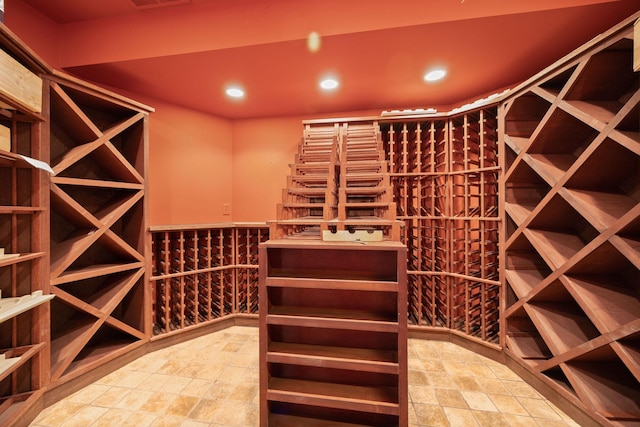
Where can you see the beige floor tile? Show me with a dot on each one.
(123, 418)
(467, 383)
(520, 421)
(193, 423)
(504, 373)
(232, 413)
(455, 367)
(134, 400)
(492, 385)
(244, 393)
(111, 397)
(158, 402)
(133, 379)
(175, 385)
(490, 419)
(86, 416)
(539, 408)
(146, 363)
(113, 378)
(521, 389)
(441, 380)
(88, 394)
(432, 365)
(422, 394)
(56, 415)
(418, 377)
(430, 415)
(480, 370)
(458, 417)
(207, 410)
(181, 406)
(155, 382)
(508, 404)
(451, 398)
(197, 387)
(166, 421)
(479, 401)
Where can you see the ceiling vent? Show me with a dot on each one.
(147, 4)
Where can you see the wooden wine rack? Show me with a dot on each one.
(97, 149)
(24, 318)
(444, 173)
(572, 227)
(203, 273)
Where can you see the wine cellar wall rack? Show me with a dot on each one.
(444, 173)
(571, 247)
(202, 273)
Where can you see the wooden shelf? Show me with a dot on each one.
(382, 400)
(333, 338)
(11, 307)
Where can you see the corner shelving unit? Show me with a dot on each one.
(571, 149)
(97, 148)
(24, 307)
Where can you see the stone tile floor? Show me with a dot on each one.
(213, 381)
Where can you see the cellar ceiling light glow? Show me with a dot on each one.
(329, 84)
(435, 75)
(235, 92)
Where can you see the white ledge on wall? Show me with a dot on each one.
(11, 307)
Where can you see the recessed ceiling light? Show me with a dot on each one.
(235, 92)
(435, 75)
(329, 84)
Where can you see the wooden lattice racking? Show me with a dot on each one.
(203, 273)
(571, 258)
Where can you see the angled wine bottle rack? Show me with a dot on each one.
(571, 149)
(97, 150)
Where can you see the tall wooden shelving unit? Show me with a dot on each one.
(333, 341)
(571, 252)
(24, 316)
(97, 148)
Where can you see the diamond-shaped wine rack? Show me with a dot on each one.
(97, 149)
(572, 210)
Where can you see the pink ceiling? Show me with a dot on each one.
(378, 49)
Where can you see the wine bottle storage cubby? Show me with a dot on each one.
(572, 155)
(97, 148)
(444, 173)
(204, 273)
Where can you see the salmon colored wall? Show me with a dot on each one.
(37, 31)
(262, 152)
(190, 166)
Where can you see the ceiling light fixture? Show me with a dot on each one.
(435, 75)
(329, 84)
(235, 92)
